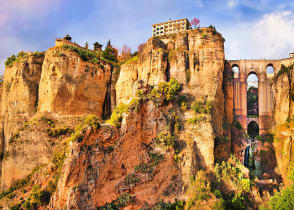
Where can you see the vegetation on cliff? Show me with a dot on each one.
(93, 56)
(163, 94)
(21, 56)
(91, 121)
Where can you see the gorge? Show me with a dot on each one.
(167, 128)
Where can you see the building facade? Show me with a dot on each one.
(170, 27)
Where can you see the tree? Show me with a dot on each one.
(87, 45)
(126, 52)
(195, 22)
(141, 48)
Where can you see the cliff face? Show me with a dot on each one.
(19, 102)
(70, 86)
(103, 164)
(58, 83)
(21, 81)
(283, 91)
(194, 58)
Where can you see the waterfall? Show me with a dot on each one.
(246, 156)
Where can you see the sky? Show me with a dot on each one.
(253, 29)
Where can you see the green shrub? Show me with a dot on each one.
(121, 202)
(108, 55)
(19, 184)
(148, 168)
(90, 121)
(202, 107)
(177, 205)
(56, 132)
(131, 179)
(245, 185)
(165, 139)
(13, 138)
(134, 104)
(221, 139)
(133, 59)
(86, 55)
(219, 205)
(10, 60)
(117, 115)
(166, 91)
(269, 137)
(237, 125)
(238, 201)
(47, 120)
(184, 106)
(204, 35)
(197, 119)
(199, 190)
(174, 122)
(283, 70)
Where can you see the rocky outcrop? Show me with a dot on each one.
(20, 87)
(111, 162)
(19, 102)
(195, 58)
(71, 86)
(283, 89)
(283, 92)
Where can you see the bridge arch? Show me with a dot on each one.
(253, 129)
(270, 70)
(236, 71)
(264, 70)
(252, 95)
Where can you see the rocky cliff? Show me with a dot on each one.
(57, 82)
(71, 86)
(194, 58)
(283, 90)
(159, 146)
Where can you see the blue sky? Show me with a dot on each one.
(252, 28)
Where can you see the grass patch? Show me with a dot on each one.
(133, 59)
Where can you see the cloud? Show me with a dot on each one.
(232, 3)
(271, 36)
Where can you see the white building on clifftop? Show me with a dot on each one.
(170, 27)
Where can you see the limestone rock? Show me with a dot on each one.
(70, 86)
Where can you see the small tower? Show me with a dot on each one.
(109, 45)
(67, 37)
(97, 46)
(291, 55)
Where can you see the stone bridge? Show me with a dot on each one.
(265, 94)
